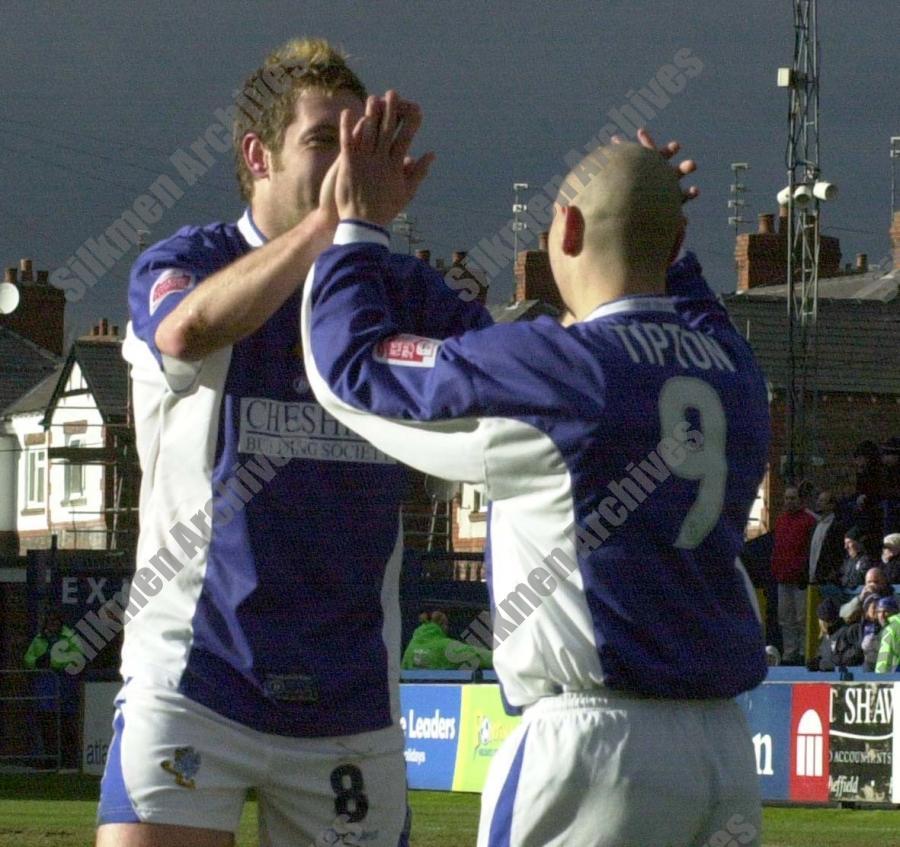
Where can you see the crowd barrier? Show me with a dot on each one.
(817, 737)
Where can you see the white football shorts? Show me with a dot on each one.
(173, 761)
(609, 770)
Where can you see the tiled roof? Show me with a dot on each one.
(23, 365)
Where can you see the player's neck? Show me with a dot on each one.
(597, 288)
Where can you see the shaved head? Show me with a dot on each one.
(631, 203)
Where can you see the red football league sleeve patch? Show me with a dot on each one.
(168, 282)
(412, 351)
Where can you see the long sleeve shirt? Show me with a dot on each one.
(790, 558)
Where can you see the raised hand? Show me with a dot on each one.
(376, 177)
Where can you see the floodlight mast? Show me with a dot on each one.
(803, 193)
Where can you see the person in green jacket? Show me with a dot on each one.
(55, 647)
(430, 648)
(55, 650)
(889, 649)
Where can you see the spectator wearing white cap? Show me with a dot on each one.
(890, 557)
(857, 643)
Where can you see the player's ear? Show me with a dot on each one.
(256, 156)
(573, 230)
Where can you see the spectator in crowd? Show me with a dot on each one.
(890, 486)
(863, 508)
(430, 647)
(826, 548)
(890, 557)
(876, 584)
(889, 647)
(830, 625)
(50, 652)
(857, 562)
(790, 566)
(857, 643)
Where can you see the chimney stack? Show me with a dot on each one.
(40, 316)
(782, 220)
(102, 331)
(862, 263)
(761, 256)
(25, 266)
(424, 255)
(534, 279)
(470, 280)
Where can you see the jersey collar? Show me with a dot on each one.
(644, 303)
(247, 227)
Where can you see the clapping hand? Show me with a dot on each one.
(376, 178)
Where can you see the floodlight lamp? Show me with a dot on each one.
(802, 195)
(520, 186)
(786, 77)
(9, 298)
(783, 196)
(825, 190)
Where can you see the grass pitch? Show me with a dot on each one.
(58, 811)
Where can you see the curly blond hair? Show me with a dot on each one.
(266, 102)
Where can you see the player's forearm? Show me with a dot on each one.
(236, 301)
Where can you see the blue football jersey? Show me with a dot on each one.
(273, 529)
(621, 456)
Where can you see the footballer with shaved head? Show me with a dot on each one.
(621, 453)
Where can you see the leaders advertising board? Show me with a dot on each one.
(430, 717)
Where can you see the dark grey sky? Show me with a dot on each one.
(96, 97)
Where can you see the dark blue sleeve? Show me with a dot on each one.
(372, 361)
(165, 274)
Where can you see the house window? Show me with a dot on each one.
(34, 477)
(74, 475)
(477, 500)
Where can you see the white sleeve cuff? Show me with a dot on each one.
(355, 232)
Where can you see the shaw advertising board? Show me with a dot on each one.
(861, 742)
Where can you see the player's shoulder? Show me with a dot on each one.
(192, 253)
(197, 243)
